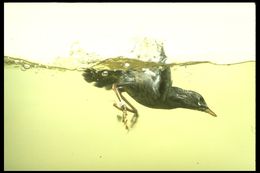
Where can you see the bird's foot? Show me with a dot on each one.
(122, 106)
(124, 117)
(134, 119)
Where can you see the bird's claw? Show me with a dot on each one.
(133, 120)
(121, 106)
(124, 117)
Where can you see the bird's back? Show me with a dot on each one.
(147, 82)
(147, 85)
(109, 71)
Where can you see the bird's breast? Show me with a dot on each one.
(144, 88)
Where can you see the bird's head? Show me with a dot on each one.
(190, 100)
(197, 102)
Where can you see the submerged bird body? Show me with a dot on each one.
(148, 83)
(147, 88)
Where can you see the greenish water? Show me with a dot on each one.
(54, 120)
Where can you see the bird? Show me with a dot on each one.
(149, 83)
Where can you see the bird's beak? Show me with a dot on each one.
(210, 112)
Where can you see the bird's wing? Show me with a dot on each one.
(109, 71)
(165, 82)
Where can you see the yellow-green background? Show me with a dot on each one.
(56, 121)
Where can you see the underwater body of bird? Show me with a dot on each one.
(149, 83)
(55, 120)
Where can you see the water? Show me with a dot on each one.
(54, 120)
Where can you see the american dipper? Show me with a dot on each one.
(148, 83)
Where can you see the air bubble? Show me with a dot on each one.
(79, 68)
(144, 69)
(126, 65)
(26, 66)
(104, 73)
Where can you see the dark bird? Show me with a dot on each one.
(148, 83)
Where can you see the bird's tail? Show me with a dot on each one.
(102, 78)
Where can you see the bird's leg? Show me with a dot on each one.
(122, 107)
(133, 109)
(114, 87)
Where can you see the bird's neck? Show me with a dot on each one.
(178, 98)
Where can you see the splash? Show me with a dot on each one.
(147, 53)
